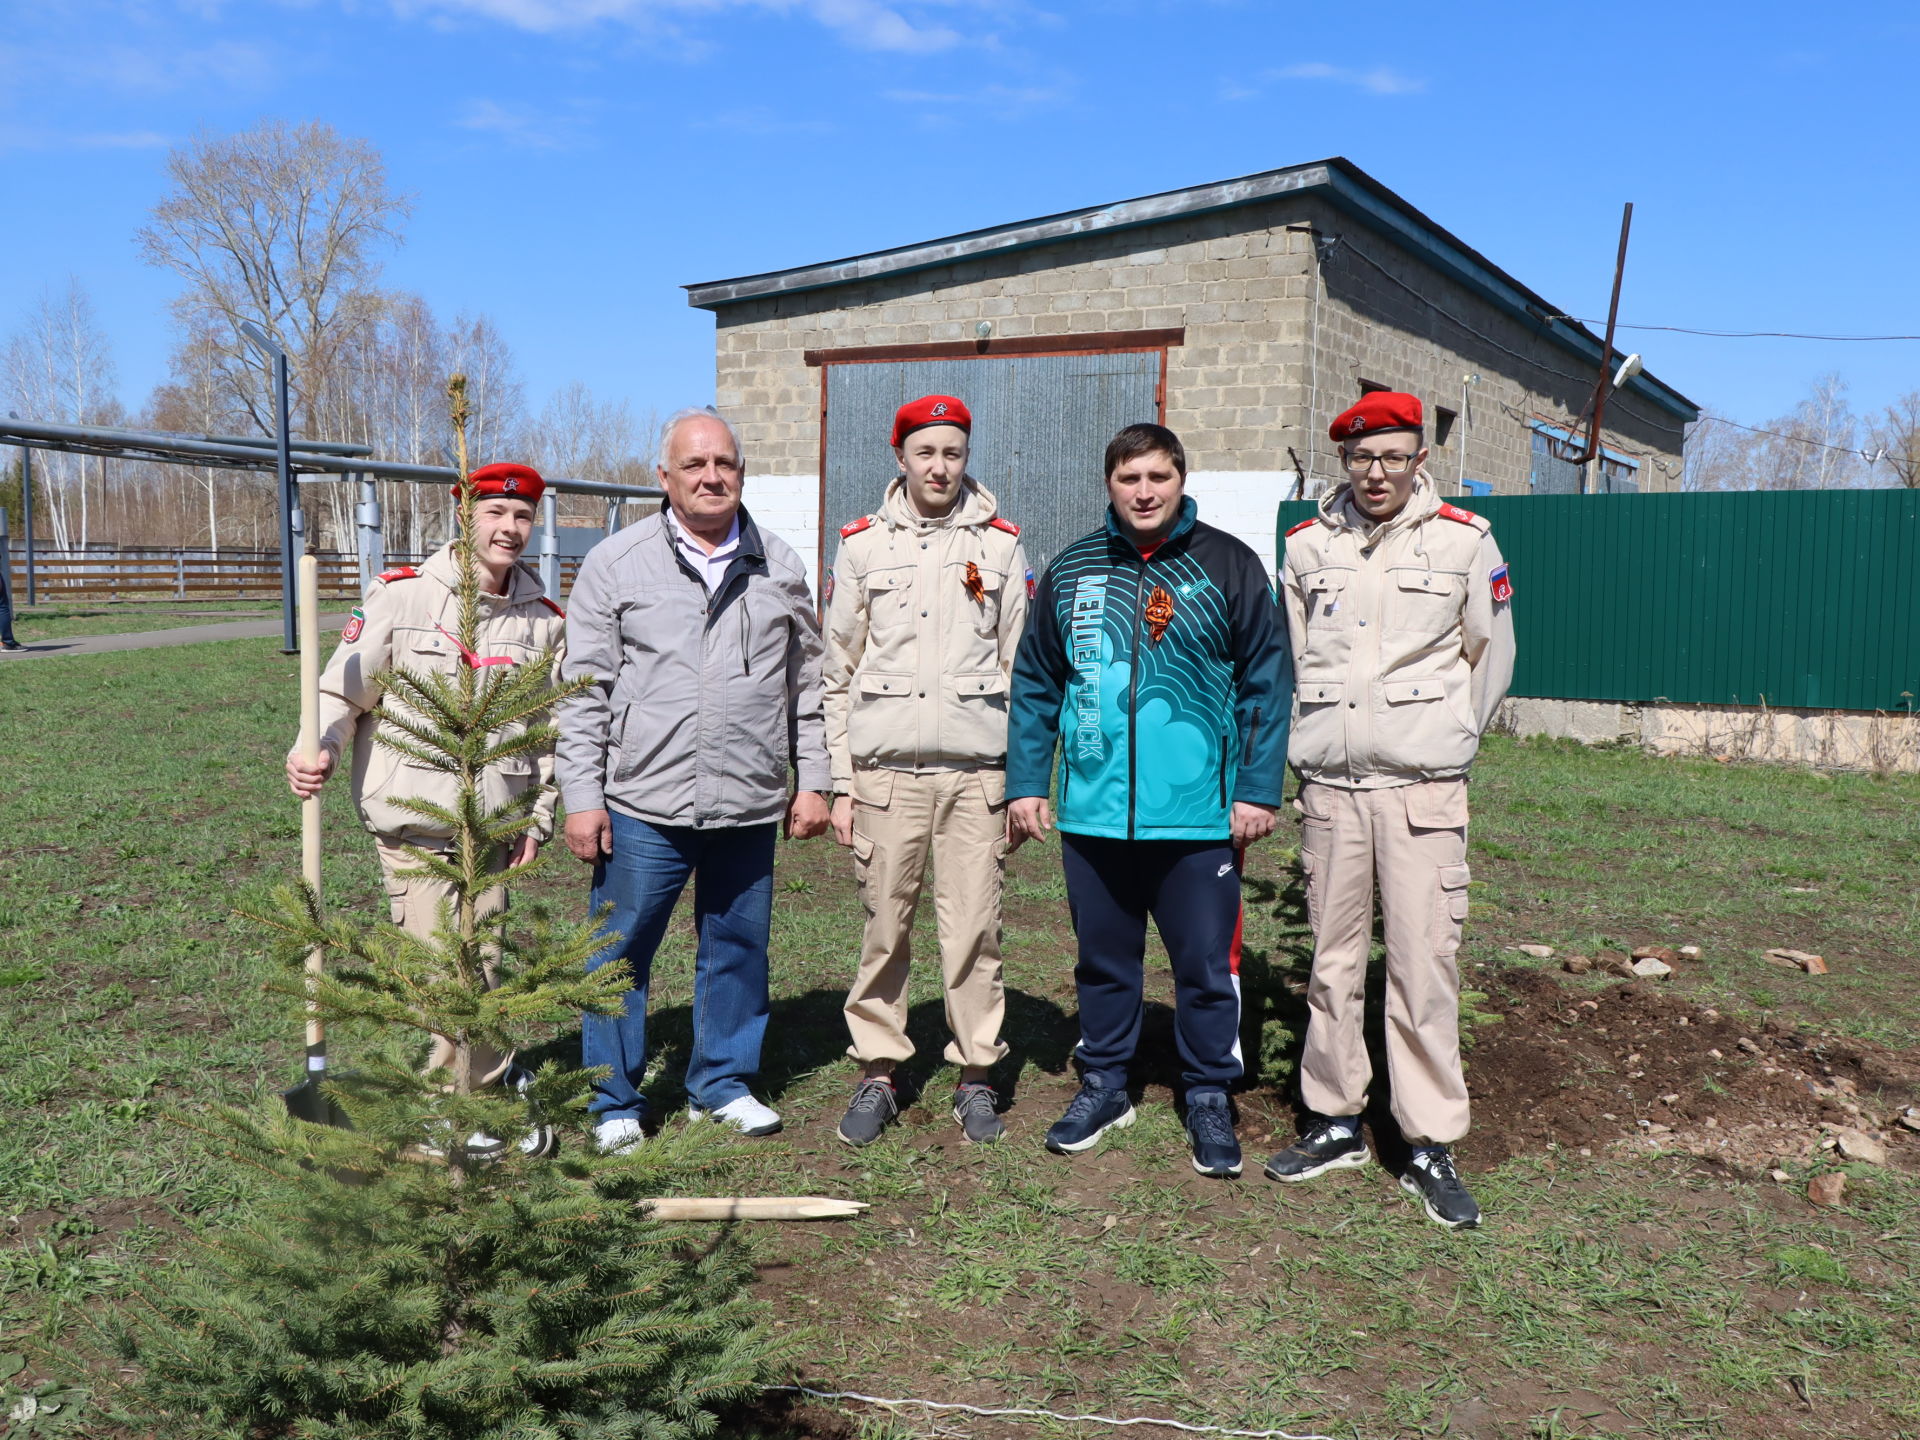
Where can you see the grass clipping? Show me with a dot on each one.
(393, 1283)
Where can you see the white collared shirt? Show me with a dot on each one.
(710, 566)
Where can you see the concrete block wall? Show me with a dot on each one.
(1287, 306)
(1237, 282)
(1380, 314)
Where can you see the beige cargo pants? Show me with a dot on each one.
(413, 903)
(900, 818)
(1411, 842)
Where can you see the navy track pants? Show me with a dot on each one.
(1191, 889)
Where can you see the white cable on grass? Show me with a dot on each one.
(1049, 1415)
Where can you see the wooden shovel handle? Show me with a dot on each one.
(308, 603)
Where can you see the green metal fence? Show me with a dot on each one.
(1810, 598)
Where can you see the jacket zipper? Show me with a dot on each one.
(1246, 754)
(1133, 683)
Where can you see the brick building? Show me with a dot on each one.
(1244, 314)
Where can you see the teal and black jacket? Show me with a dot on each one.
(1157, 738)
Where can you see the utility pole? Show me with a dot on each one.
(291, 520)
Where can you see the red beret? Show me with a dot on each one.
(516, 482)
(1380, 410)
(930, 410)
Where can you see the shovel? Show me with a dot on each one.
(306, 1101)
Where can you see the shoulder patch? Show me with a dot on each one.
(1465, 517)
(553, 607)
(400, 572)
(1007, 525)
(1297, 529)
(854, 527)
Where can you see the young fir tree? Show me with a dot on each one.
(398, 1279)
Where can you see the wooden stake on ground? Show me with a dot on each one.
(753, 1207)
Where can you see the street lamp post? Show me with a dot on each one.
(26, 506)
(291, 521)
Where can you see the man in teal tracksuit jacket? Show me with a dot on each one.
(1156, 656)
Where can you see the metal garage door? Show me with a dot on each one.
(1040, 426)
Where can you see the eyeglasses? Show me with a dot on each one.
(1389, 464)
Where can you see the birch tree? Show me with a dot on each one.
(59, 370)
(284, 225)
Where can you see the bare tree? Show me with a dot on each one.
(195, 401)
(1897, 437)
(284, 225)
(478, 351)
(582, 437)
(1815, 446)
(59, 369)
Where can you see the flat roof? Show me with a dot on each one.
(1336, 179)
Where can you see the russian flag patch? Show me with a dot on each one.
(1502, 586)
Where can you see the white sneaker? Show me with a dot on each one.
(747, 1115)
(614, 1137)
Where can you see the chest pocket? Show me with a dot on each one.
(983, 614)
(428, 651)
(763, 621)
(1327, 602)
(890, 597)
(1424, 601)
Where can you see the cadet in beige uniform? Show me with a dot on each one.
(1397, 606)
(925, 605)
(409, 618)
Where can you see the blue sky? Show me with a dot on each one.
(574, 162)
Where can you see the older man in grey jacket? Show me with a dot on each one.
(701, 638)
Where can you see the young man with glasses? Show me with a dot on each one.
(1398, 610)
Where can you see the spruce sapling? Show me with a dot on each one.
(399, 1278)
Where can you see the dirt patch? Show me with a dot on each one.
(1639, 1064)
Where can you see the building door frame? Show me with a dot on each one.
(1102, 342)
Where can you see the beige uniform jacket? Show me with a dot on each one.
(917, 667)
(1402, 641)
(408, 620)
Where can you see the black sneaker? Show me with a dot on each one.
(1432, 1177)
(1326, 1146)
(974, 1106)
(873, 1108)
(1090, 1114)
(1216, 1149)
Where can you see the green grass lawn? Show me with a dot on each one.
(1630, 1291)
(74, 620)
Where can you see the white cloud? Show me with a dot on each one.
(162, 69)
(1380, 80)
(865, 24)
(522, 126)
(22, 137)
(759, 120)
(938, 107)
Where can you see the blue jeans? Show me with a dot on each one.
(641, 880)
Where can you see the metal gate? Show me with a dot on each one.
(1040, 426)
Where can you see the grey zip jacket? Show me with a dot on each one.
(699, 707)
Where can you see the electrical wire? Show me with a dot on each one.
(1735, 334)
(1023, 1412)
(1797, 439)
(1426, 301)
